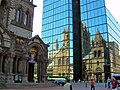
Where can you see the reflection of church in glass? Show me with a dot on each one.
(59, 64)
(101, 61)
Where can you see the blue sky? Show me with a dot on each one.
(112, 6)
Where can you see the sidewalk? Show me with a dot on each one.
(96, 88)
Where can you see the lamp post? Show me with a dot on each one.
(69, 70)
(86, 78)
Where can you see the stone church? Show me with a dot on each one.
(23, 58)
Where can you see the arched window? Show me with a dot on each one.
(99, 53)
(25, 18)
(31, 0)
(63, 60)
(97, 62)
(95, 53)
(17, 16)
(59, 61)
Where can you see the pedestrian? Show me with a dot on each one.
(79, 80)
(114, 83)
(68, 85)
(92, 84)
(108, 82)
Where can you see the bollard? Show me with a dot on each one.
(85, 84)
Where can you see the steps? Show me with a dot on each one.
(26, 85)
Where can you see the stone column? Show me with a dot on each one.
(39, 71)
(11, 65)
(16, 61)
(44, 73)
(25, 76)
(1, 62)
(10, 75)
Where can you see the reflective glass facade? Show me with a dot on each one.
(83, 39)
(57, 32)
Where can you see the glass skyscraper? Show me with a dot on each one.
(83, 39)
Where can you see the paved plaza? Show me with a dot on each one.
(76, 86)
(60, 88)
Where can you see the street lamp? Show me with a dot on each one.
(86, 78)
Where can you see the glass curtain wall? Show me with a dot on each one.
(94, 19)
(57, 32)
(114, 42)
(99, 37)
(103, 56)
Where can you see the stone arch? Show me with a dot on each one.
(7, 2)
(98, 74)
(34, 50)
(40, 49)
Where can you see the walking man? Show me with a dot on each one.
(68, 85)
(108, 82)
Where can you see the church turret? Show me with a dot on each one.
(98, 40)
(17, 16)
(65, 38)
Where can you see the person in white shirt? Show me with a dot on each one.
(68, 85)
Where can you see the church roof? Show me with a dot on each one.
(98, 36)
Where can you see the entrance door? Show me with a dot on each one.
(98, 77)
(31, 72)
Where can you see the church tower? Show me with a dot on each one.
(100, 58)
(65, 38)
(22, 57)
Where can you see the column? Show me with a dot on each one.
(25, 76)
(11, 65)
(39, 71)
(1, 62)
(16, 61)
(44, 74)
(10, 76)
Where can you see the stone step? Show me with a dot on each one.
(26, 85)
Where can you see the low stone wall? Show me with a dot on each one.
(26, 85)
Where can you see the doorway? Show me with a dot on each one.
(31, 72)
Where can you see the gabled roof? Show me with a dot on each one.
(98, 36)
(36, 39)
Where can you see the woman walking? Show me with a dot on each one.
(92, 84)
